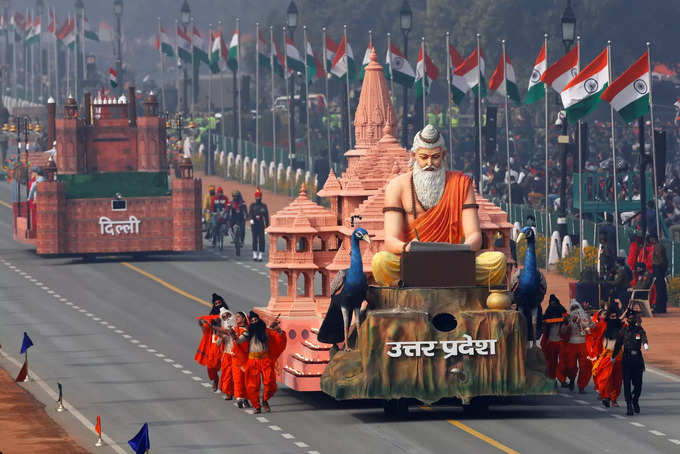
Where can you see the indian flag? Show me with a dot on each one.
(68, 34)
(560, 73)
(90, 32)
(279, 63)
(582, 94)
(200, 54)
(216, 52)
(232, 57)
(262, 57)
(293, 58)
(164, 43)
(331, 49)
(365, 61)
(426, 72)
(499, 80)
(183, 45)
(33, 36)
(536, 87)
(314, 66)
(466, 77)
(52, 24)
(344, 66)
(398, 65)
(113, 77)
(629, 94)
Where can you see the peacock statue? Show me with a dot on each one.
(529, 286)
(348, 291)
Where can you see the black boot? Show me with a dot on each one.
(636, 406)
(606, 403)
(629, 409)
(571, 384)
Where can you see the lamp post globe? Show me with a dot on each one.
(405, 17)
(39, 7)
(79, 6)
(405, 23)
(185, 13)
(568, 26)
(292, 17)
(118, 7)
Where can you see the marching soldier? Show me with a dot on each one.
(259, 220)
(632, 339)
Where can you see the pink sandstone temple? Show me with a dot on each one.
(307, 240)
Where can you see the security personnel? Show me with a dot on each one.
(206, 209)
(259, 220)
(632, 339)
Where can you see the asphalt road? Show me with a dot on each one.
(120, 336)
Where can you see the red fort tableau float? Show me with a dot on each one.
(310, 242)
(106, 190)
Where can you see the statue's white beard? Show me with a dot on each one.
(429, 185)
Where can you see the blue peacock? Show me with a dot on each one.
(348, 291)
(529, 286)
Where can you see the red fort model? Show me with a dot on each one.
(316, 239)
(107, 187)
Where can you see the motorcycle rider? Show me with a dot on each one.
(259, 220)
(219, 209)
(206, 209)
(237, 213)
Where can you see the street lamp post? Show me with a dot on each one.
(291, 24)
(568, 35)
(118, 11)
(5, 13)
(405, 23)
(186, 18)
(39, 9)
(80, 11)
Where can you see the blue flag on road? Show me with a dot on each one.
(140, 443)
(27, 342)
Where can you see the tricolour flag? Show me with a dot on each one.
(560, 73)
(314, 66)
(113, 78)
(232, 56)
(67, 34)
(344, 66)
(466, 77)
(90, 31)
(279, 63)
(498, 80)
(629, 93)
(33, 36)
(262, 58)
(425, 68)
(582, 94)
(164, 43)
(402, 71)
(198, 42)
(216, 51)
(183, 45)
(536, 87)
(331, 50)
(293, 58)
(52, 22)
(365, 61)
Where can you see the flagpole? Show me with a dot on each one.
(32, 65)
(27, 66)
(448, 91)
(349, 110)
(40, 65)
(162, 61)
(68, 65)
(209, 155)
(75, 62)
(422, 41)
(547, 184)
(57, 95)
(193, 62)
(257, 103)
(14, 61)
(240, 95)
(389, 56)
(507, 126)
(285, 75)
(309, 145)
(271, 65)
(613, 141)
(651, 118)
(328, 112)
(479, 113)
(223, 141)
(580, 177)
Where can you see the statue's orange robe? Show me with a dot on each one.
(442, 222)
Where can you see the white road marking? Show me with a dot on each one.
(89, 314)
(76, 307)
(262, 419)
(637, 424)
(160, 355)
(178, 366)
(301, 444)
(70, 408)
(597, 408)
(206, 385)
(65, 300)
(668, 375)
(110, 327)
(151, 350)
(96, 319)
(184, 371)
(313, 452)
(674, 441)
(50, 292)
(56, 295)
(275, 428)
(126, 336)
(619, 417)
(288, 436)
(657, 433)
(119, 331)
(582, 402)
(143, 346)
(134, 341)
(68, 303)
(168, 360)
(195, 378)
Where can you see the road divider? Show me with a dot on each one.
(165, 284)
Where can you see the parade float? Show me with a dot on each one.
(426, 343)
(106, 188)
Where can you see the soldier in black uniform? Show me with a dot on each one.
(259, 220)
(632, 339)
